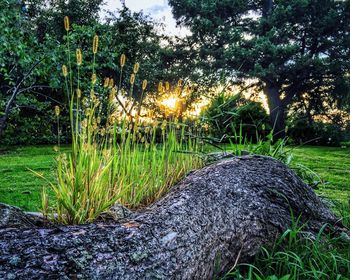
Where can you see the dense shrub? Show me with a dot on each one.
(227, 115)
(33, 126)
(346, 142)
(315, 133)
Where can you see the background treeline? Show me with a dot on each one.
(297, 53)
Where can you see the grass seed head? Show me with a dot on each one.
(106, 83)
(144, 84)
(111, 83)
(163, 126)
(84, 123)
(112, 95)
(93, 78)
(122, 60)
(64, 70)
(95, 44)
(132, 79)
(92, 95)
(57, 111)
(66, 23)
(79, 57)
(160, 87)
(78, 93)
(136, 67)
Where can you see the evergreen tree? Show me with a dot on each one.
(296, 49)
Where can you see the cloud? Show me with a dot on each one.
(156, 9)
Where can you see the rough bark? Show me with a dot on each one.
(14, 217)
(198, 229)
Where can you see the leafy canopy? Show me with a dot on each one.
(297, 50)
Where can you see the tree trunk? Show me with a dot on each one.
(7, 110)
(267, 8)
(271, 91)
(2, 124)
(277, 111)
(215, 216)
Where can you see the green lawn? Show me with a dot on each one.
(19, 186)
(332, 165)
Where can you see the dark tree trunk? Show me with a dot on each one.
(267, 8)
(2, 125)
(215, 215)
(271, 91)
(277, 111)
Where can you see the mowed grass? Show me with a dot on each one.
(18, 184)
(20, 187)
(332, 165)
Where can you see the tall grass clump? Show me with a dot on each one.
(263, 145)
(115, 156)
(298, 256)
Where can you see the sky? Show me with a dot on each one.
(157, 9)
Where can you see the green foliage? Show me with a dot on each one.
(297, 50)
(345, 144)
(309, 176)
(17, 46)
(131, 34)
(25, 123)
(46, 16)
(276, 149)
(228, 114)
(25, 63)
(296, 256)
(32, 32)
(316, 133)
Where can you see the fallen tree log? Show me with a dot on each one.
(215, 215)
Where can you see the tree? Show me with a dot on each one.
(24, 43)
(296, 49)
(19, 58)
(46, 16)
